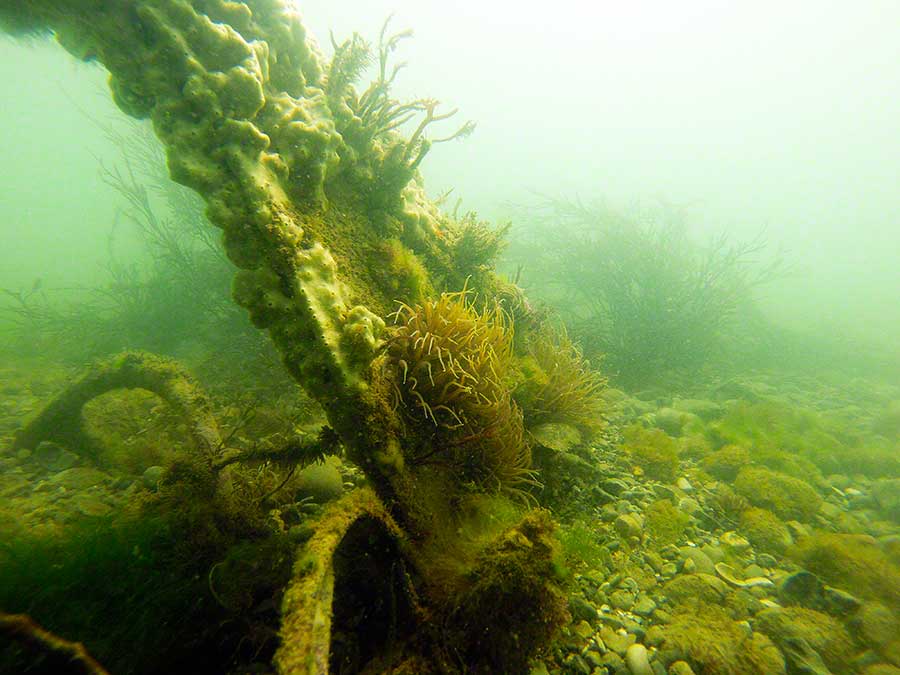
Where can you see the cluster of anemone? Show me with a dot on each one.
(563, 388)
(451, 361)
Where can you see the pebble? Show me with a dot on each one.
(753, 570)
(644, 606)
(727, 573)
(671, 421)
(840, 602)
(702, 408)
(583, 629)
(616, 641)
(576, 665)
(637, 660)
(735, 542)
(714, 553)
(689, 506)
(629, 525)
(613, 662)
(54, 457)
(623, 600)
(581, 609)
(797, 529)
(88, 505)
(701, 561)
(801, 588)
(684, 484)
(594, 658)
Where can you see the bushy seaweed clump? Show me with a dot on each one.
(728, 503)
(636, 288)
(451, 361)
(474, 247)
(653, 451)
(790, 439)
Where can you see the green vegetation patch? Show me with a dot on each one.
(852, 562)
(581, 545)
(788, 497)
(665, 522)
(726, 462)
(713, 643)
(653, 451)
(765, 530)
(823, 633)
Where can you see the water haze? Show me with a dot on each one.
(747, 115)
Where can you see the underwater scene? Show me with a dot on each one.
(419, 338)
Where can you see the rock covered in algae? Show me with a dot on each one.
(514, 602)
(711, 642)
(824, 634)
(788, 497)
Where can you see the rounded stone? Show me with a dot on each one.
(321, 481)
(684, 484)
(79, 478)
(581, 609)
(801, 588)
(629, 525)
(621, 600)
(734, 541)
(681, 668)
(701, 561)
(670, 420)
(688, 505)
(54, 457)
(840, 602)
(644, 606)
(637, 660)
(152, 476)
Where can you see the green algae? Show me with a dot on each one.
(765, 530)
(854, 562)
(726, 462)
(713, 643)
(665, 522)
(653, 451)
(788, 497)
(826, 635)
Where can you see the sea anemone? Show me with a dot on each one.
(563, 388)
(450, 362)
